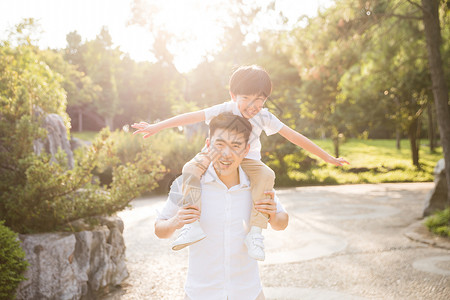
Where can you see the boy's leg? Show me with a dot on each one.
(262, 179)
(191, 190)
(191, 174)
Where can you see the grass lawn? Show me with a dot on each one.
(85, 135)
(371, 161)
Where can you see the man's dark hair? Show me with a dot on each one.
(251, 80)
(231, 122)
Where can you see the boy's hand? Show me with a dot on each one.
(144, 127)
(267, 205)
(338, 161)
(186, 215)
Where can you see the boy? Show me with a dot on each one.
(250, 86)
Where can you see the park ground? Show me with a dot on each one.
(343, 242)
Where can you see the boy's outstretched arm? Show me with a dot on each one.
(180, 120)
(305, 143)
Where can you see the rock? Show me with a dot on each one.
(76, 143)
(74, 265)
(56, 138)
(437, 197)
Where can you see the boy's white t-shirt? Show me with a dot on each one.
(263, 120)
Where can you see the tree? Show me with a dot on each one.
(81, 90)
(39, 192)
(322, 51)
(392, 75)
(431, 20)
(101, 62)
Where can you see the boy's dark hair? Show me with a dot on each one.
(231, 122)
(251, 80)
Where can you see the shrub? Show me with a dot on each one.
(175, 150)
(39, 193)
(439, 222)
(173, 147)
(12, 263)
(50, 196)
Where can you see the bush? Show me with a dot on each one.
(175, 150)
(12, 263)
(439, 223)
(38, 193)
(49, 196)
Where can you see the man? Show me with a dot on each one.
(219, 265)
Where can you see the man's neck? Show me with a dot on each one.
(230, 180)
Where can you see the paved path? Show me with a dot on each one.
(342, 242)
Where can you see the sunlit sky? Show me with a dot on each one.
(195, 19)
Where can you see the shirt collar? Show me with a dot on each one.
(236, 110)
(211, 176)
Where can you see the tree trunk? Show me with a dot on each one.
(336, 146)
(398, 138)
(412, 134)
(109, 122)
(431, 133)
(80, 120)
(440, 89)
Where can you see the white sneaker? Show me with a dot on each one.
(190, 234)
(255, 243)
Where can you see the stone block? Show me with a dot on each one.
(74, 265)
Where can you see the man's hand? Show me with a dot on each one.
(144, 127)
(186, 215)
(267, 205)
(337, 161)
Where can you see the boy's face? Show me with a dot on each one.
(227, 149)
(249, 105)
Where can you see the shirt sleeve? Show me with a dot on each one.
(174, 201)
(280, 207)
(271, 124)
(216, 110)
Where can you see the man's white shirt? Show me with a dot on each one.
(263, 120)
(219, 265)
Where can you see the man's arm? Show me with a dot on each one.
(185, 215)
(305, 143)
(180, 120)
(277, 220)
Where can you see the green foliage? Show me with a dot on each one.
(110, 89)
(175, 150)
(439, 222)
(38, 192)
(12, 263)
(284, 158)
(51, 196)
(172, 146)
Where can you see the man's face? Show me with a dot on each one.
(228, 148)
(249, 105)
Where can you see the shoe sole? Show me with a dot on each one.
(255, 257)
(179, 247)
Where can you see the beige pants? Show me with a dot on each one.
(262, 179)
(260, 297)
